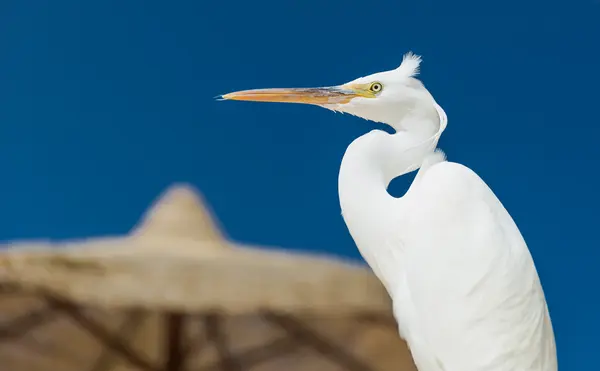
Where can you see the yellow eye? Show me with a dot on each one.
(376, 87)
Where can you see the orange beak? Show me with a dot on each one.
(319, 96)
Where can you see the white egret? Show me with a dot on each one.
(466, 293)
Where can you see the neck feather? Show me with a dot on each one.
(370, 163)
(373, 160)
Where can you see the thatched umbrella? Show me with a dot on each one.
(176, 295)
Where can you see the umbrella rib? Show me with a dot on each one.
(377, 319)
(10, 288)
(19, 326)
(99, 332)
(304, 334)
(214, 332)
(253, 356)
(127, 330)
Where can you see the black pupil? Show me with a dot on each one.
(376, 87)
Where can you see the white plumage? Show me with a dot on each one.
(466, 293)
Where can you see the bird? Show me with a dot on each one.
(465, 291)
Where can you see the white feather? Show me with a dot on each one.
(410, 65)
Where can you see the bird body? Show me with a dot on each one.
(465, 290)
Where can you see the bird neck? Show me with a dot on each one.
(370, 163)
(373, 160)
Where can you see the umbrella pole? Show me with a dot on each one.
(174, 330)
(215, 333)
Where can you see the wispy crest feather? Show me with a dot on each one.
(410, 65)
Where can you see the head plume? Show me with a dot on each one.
(410, 65)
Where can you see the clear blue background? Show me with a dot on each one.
(104, 104)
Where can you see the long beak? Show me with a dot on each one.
(325, 95)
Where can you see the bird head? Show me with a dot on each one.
(385, 97)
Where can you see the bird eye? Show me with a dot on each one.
(376, 87)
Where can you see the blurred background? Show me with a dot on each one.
(105, 104)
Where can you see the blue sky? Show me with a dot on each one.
(104, 104)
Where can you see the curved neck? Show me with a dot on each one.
(373, 160)
(368, 166)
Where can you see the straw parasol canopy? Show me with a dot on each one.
(176, 295)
